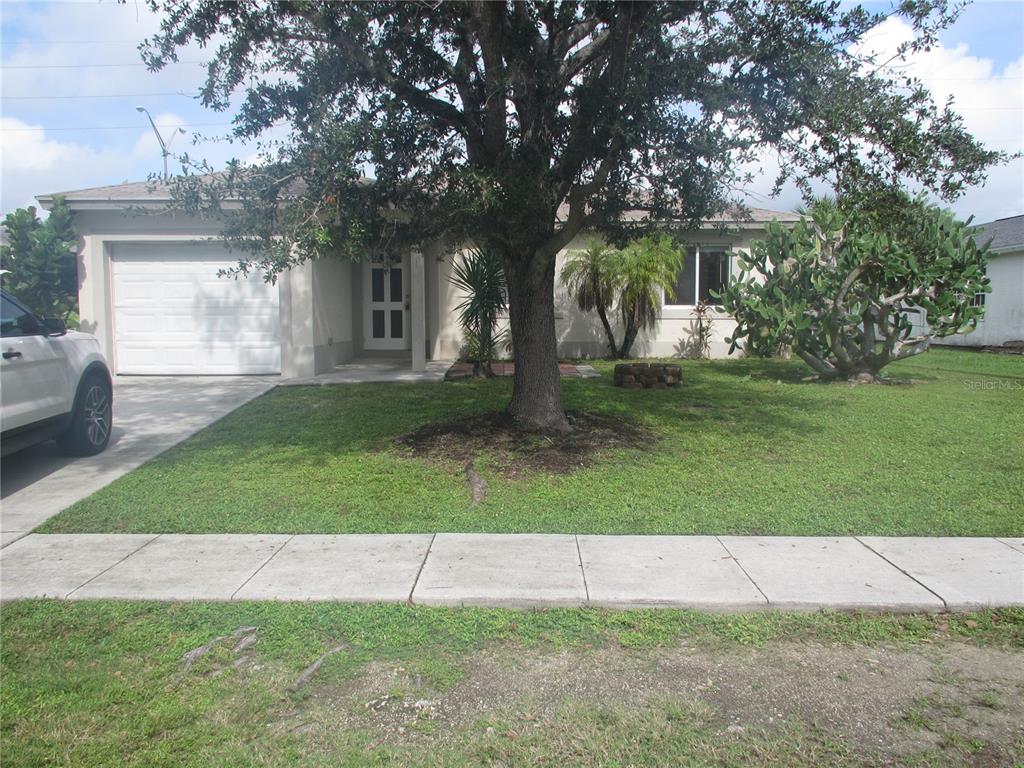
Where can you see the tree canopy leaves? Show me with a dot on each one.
(41, 259)
(521, 123)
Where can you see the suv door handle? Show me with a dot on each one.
(11, 353)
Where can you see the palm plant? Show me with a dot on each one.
(480, 276)
(647, 269)
(590, 277)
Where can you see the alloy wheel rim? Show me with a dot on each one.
(97, 415)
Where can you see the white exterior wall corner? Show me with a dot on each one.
(332, 313)
(1004, 306)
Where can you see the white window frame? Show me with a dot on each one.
(712, 248)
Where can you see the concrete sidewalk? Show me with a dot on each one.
(716, 573)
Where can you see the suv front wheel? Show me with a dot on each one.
(91, 421)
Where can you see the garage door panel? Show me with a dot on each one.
(185, 358)
(141, 327)
(173, 315)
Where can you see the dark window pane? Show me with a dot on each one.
(686, 280)
(378, 323)
(397, 320)
(714, 274)
(377, 284)
(396, 283)
(16, 321)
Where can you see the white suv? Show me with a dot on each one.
(54, 383)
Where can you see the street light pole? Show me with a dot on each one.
(164, 151)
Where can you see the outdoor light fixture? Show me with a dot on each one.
(164, 145)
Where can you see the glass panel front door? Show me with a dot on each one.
(386, 323)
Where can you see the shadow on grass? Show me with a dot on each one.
(746, 399)
(307, 425)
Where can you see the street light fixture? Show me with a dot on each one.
(164, 145)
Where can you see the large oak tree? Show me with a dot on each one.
(516, 125)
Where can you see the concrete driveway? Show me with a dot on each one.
(150, 415)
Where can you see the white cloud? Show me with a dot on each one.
(57, 40)
(46, 50)
(35, 164)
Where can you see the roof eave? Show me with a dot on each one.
(110, 204)
(1018, 248)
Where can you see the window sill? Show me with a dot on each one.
(687, 311)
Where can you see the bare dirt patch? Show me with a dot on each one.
(511, 453)
(964, 703)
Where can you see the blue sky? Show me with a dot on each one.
(52, 142)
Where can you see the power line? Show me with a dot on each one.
(79, 66)
(113, 127)
(98, 96)
(86, 42)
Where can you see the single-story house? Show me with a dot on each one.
(149, 290)
(1004, 306)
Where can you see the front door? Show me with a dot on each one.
(386, 318)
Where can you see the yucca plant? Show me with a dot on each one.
(480, 276)
(592, 281)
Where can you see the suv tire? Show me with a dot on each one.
(91, 421)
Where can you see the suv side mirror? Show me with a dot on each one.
(54, 326)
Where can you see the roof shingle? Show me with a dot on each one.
(1005, 234)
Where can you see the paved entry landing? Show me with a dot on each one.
(375, 370)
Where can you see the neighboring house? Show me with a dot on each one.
(149, 289)
(1004, 306)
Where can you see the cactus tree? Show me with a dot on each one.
(838, 286)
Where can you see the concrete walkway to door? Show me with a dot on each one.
(151, 414)
(715, 573)
(375, 370)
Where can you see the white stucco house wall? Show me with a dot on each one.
(1004, 306)
(149, 289)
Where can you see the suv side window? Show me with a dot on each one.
(15, 320)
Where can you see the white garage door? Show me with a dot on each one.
(173, 315)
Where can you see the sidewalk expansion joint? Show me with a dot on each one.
(945, 605)
(1007, 544)
(253, 574)
(583, 571)
(93, 578)
(757, 586)
(416, 581)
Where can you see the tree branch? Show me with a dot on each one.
(489, 34)
(589, 53)
(822, 367)
(399, 86)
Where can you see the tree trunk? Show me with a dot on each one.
(628, 339)
(603, 314)
(537, 388)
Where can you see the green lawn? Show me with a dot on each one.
(743, 447)
(103, 684)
